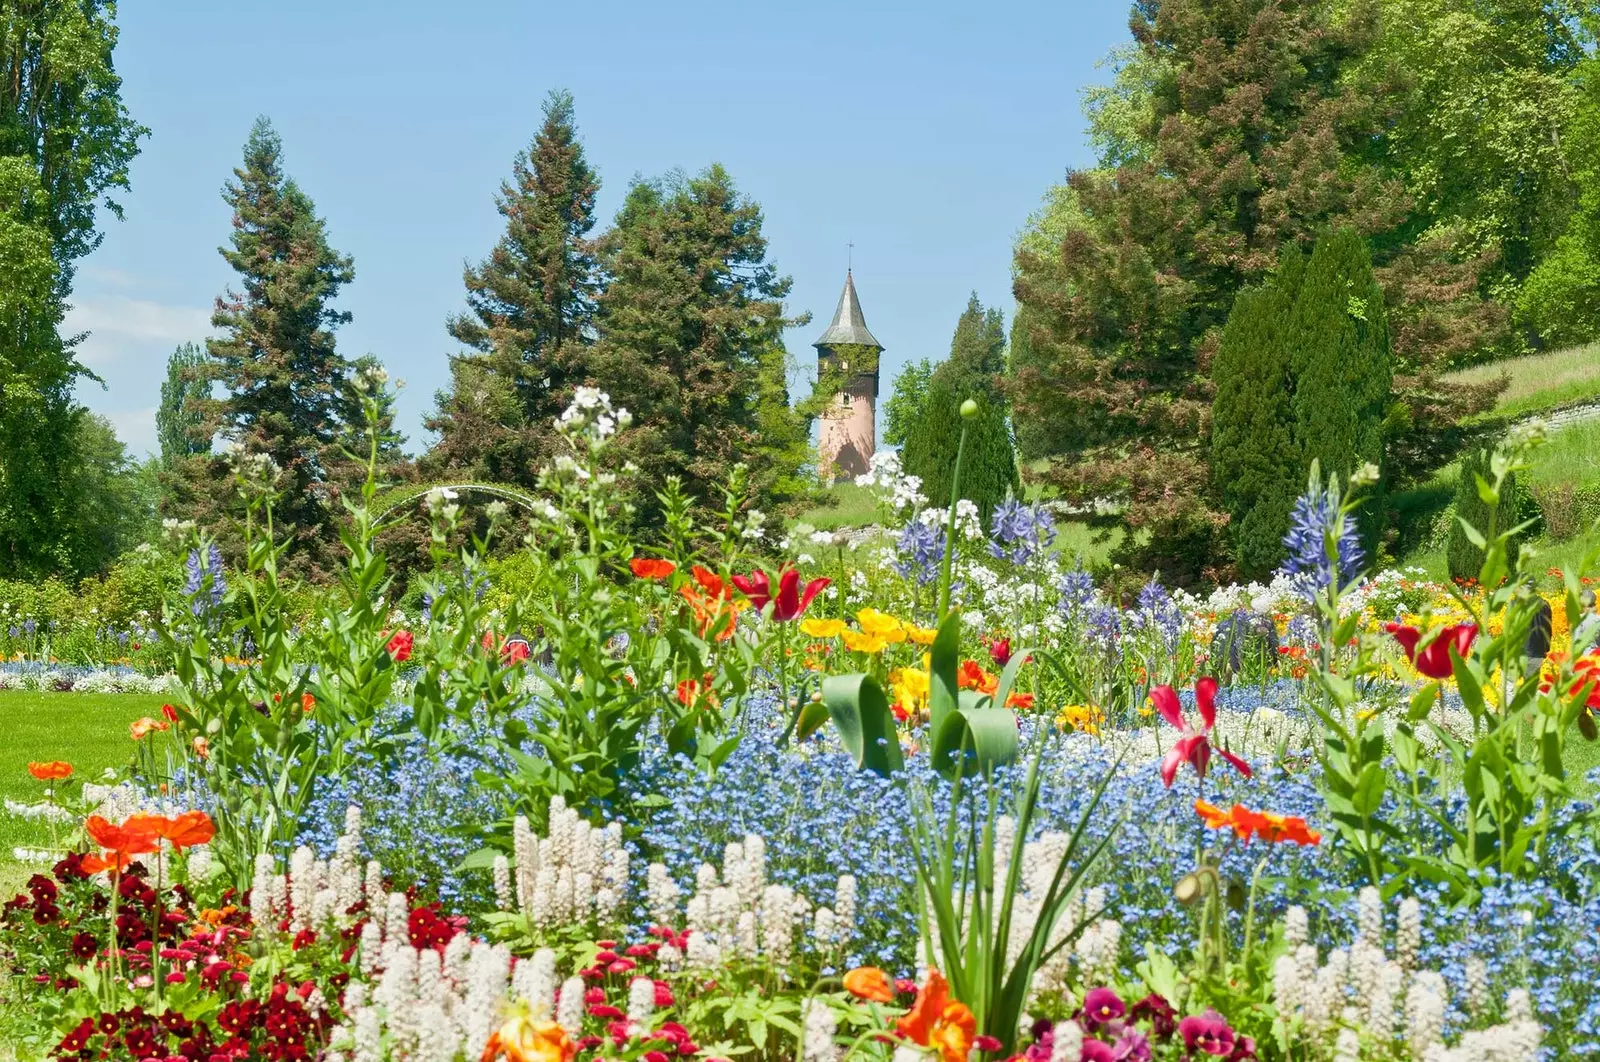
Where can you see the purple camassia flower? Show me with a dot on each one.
(1020, 532)
(921, 550)
(1309, 524)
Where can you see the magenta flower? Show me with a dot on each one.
(1207, 1032)
(1131, 1046)
(789, 601)
(1097, 1051)
(1155, 1009)
(1193, 745)
(1101, 1006)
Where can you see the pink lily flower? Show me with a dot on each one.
(1193, 744)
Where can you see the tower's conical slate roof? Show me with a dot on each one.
(849, 327)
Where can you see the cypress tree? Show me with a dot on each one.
(691, 340)
(529, 309)
(180, 419)
(1338, 340)
(1465, 560)
(284, 383)
(1255, 463)
(989, 467)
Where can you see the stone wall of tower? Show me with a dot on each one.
(847, 438)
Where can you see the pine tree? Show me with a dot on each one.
(180, 418)
(529, 310)
(1255, 465)
(284, 383)
(1338, 339)
(989, 465)
(691, 336)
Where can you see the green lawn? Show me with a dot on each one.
(88, 730)
(842, 505)
(1540, 381)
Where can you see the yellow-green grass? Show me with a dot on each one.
(1540, 381)
(87, 730)
(842, 505)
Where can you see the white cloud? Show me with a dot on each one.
(119, 325)
(136, 428)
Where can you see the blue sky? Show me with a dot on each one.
(924, 134)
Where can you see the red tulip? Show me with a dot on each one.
(1434, 659)
(1194, 744)
(400, 646)
(789, 602)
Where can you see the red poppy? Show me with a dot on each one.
(1194, 744)
(790, 602)
(400, 646)
(1434, 659)
(170, 712)
(651, 568)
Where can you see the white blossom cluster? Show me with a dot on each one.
(55, 680)
(1387, 998)
(886, 476)
(575, 874)
(319, 894)
(591, 417)
(737, 913)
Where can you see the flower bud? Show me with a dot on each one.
(969, 409)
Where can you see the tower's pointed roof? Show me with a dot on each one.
(849, 327)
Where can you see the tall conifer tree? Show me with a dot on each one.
(691, 339)
(285, 385)
(528, 319)
(989, 467)
(180, 418)
(1255, 463)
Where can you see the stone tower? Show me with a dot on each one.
(848, 437)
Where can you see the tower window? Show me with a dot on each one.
(846, 399)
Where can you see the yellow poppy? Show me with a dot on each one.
(881, 624)
(921, 635)
(823, 628)
(858, 642)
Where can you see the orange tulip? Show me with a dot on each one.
(523, 1039)
(51, 771)
(869, 983)
(651, 568)
(937, 1021)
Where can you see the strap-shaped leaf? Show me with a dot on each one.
(944, 662)
(981, 738)
(866, 726)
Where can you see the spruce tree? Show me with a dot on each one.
(691, 339)
(989, 466)
(1255, 463)
(180, 418)
(284, 384)
(529, 309)
(1338, 340)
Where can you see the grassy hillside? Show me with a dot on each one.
(1540, 381)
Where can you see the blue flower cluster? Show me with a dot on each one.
(1309, 525)
(1018, 532)
(921, 551)
(206, 583)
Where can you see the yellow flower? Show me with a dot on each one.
(1084, 717)
(910, 688)
(881, 625)
(921, 635)
(524, 1039)
(863, 643)
(823, 628)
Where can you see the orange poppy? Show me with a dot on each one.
(651, 568)
(972, 677)
(118, 861)
(141, 727)
(939, 1022)
(181, 831)
(1264, 825)
(51, 771)
(712, 601)
(869, 983)
(307, 702)
(1021, 701)
(131, 838)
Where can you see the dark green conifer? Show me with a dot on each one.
(989, 468)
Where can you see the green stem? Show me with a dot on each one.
(950, 528)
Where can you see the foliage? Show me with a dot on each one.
(906, 401)
(690, 336)
(1340, 363)
(1249, 140)
(1473, 514)
(283, 382)
(529, 309)
(972, 371)
(178, 418)
(1254, 460)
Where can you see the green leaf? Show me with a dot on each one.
(984, 738)
(812, 716)
(944, 661)
(866, 726)
(482, 859)
(1369, 789)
